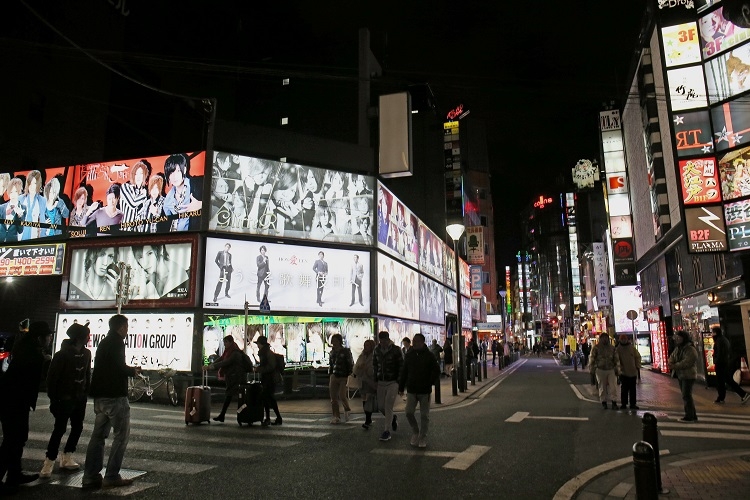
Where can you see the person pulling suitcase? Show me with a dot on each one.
(231, 366)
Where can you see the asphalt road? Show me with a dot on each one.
(524, 436)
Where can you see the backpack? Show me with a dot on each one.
(247, 363)
(280, 363)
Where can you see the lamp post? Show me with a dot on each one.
(455, 231)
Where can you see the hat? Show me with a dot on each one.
(39, 329)
(78, 332)
(262, 340)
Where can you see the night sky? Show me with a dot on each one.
(535, 72)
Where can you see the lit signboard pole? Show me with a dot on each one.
(455, 231)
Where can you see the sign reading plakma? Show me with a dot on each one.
(292, 277)
(154, 340)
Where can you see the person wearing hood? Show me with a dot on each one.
(605, 364)
(723, 364)
(683, 363)
(230, 367)
(19, 388)
(68, 381)
(419, 372)
(630, 365)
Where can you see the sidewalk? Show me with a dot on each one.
(716, 474)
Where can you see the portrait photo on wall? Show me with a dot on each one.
(157, 271)
(398, 227)
(257, 196)
(291, 277)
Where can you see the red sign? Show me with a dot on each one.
(542, 202)
(455, 113)
(700, 181)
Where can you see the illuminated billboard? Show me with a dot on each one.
(726, 75)
(265, 197)
(719, 34)
(692, 133)
(705, 229)
(292, 277)
(431, 301)
(158, 271)
(398, 227)
(32, 260)
(431, 253)
(681, 44)
(450, 267)
(398, 289)
(700, 181)
(737, 218)
(734, 173)
(687, 90)
(731, 123)
(154, 340)
(627, 298)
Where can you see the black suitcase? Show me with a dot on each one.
(250, 403)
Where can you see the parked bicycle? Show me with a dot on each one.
(141, 384)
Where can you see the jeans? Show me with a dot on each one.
(607, 385)
(424, 412)
(686, 387)
(111, 413)
(627, 390)
(63, 411)
(387, 391)
(337, 390)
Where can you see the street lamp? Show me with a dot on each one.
(455, 231)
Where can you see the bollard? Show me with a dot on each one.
(454, 381)
(644, 469)
(473, 374)
(479, 371)
(484, 367)
(651, 436)
(437, 391)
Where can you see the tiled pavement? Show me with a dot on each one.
(698, 475)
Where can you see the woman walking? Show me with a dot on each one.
(339, 369)
(363, 370)
(682, 362)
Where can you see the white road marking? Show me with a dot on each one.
(517, 416)
(459, 460)
(713, 427)
(704, 435)
(136, 487)
(181, 418)
(524, 415)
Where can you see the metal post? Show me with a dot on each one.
(473, 373)
(457, 370)
(651, 436)
(644, 469)
(484, 367)
(454, 381)
(438, 400)
(479, 371)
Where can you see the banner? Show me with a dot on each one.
(431, 301)
(154, 340)
(431, 253)
(398, 227)
(475, 245)
(601, 276)
(32, 260)
(292, 277)
(398, 289)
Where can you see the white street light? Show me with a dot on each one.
(455, 231)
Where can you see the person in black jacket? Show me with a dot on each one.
(387, 360)
(724, 372)
(268, 374)
(19, 389)
(109, 388)
(419, 372)
(68, 381)
(339, 368)
(231, 368)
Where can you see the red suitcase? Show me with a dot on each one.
(198, 403)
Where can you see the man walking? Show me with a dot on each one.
(605, 364)
(320, 268)
(224, 261)
(420, 371)
(264, 272)
(355, 276)
(630, 364)
(109, 388)
(723, 363)
(387, 361)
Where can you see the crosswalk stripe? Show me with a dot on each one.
(226, 428)
(713, 427)
(718, 420)
(707, 435)
(181, 417)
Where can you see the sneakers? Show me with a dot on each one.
(745, 397)
(47, 468)
(94, 483)
(423, 442)
(347, 415)
(394, 423)
(385, 436)
(67, 462)
(116, 482)
(335, 420)
(414, 441)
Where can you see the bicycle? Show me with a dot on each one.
(141, 384)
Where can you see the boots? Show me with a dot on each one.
(47, 468)
(67, 462)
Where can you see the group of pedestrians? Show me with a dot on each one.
(608, 362)
(69, 383)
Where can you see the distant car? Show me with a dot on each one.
(6, 344)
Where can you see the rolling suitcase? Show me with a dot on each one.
(250, 403)
(198, 403)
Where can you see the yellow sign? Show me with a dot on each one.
(447, 125)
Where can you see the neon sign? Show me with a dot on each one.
(542, 202)
(454, 113)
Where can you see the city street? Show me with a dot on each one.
(532, 430)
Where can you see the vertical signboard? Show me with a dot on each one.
(475, 245)
(601, 276)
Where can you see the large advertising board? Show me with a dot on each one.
(624, 299)
(398, 227)
(431, 253)
(737, 218)
(705, 229)
(700, 181)
(692, 133)
(449, 261)
(159, 271)
(726, 75)
(731, 123)
(43, 259)
(465, 276)
(687, 89)
(154, 340)
(719, 34)
(291, 277)
(734, 173)
(398, 289)
(431, 301)
(681, 44)
(265, 197)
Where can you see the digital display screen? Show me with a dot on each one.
(154, 340)
(257, 196)
(292, 277)
(398, 289)
(157, 271)
(398, 227)
(32, 260)
(431, 301)
(700, 181)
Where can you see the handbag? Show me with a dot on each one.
(353, 382)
